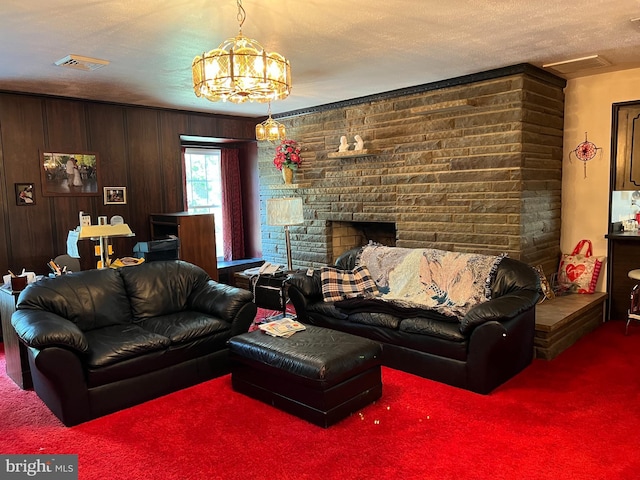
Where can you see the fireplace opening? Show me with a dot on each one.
(348, 235)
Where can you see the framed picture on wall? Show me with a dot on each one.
(25, 194)
(70, 174)
(115, 195)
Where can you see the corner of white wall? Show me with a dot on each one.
(585, 201)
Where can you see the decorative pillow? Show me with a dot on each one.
(341, 284)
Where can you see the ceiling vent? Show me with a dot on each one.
(577, 64)
(81, 63)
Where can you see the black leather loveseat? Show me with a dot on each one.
(103, 340)
(477, 352)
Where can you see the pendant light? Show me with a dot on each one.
(240, 70)
(270, 130)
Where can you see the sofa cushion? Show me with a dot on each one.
(91, 299)
(327, 309)
(375, 319)
(432, 327)
(161, 288)
(340, 284)
(184, 326)
(430, 344)
(117, 343)
(513, 275)
(208, 351)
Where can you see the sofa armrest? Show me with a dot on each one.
(303, 290)
(307, 286)
(40, 329)
(498, 350)
(231, 304)
(500, 309)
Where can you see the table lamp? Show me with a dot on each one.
(101, 234)
(285, 212)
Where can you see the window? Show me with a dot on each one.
(203, 182)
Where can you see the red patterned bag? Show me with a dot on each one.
(578, 271)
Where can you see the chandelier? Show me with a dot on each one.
(270, 130)
(240, 70)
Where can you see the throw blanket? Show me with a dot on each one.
(449, 282)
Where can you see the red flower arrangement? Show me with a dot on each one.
(287, 155)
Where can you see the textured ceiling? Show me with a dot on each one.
(338, 50)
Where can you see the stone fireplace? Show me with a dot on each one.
(473, 164)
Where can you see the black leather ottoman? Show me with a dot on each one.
(318, 374)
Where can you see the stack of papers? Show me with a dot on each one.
(282, 328)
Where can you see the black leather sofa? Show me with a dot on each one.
(103, 340)
(492, 343)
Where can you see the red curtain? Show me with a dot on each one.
(232, 222)
(185, 206)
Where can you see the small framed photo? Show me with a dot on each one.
(25, 194)
(115, 195)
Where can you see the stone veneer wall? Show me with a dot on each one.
(486, 178)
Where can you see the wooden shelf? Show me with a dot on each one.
(289, 186)
(367, 152)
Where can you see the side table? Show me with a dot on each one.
(15, 352)
(270, 295)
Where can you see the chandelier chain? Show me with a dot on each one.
(242, 15)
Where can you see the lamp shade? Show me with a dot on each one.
(95, 231)
(284, 211)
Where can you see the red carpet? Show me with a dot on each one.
(576, 417)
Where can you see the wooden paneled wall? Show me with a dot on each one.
(137, 147)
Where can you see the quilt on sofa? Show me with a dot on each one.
(411, 279)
